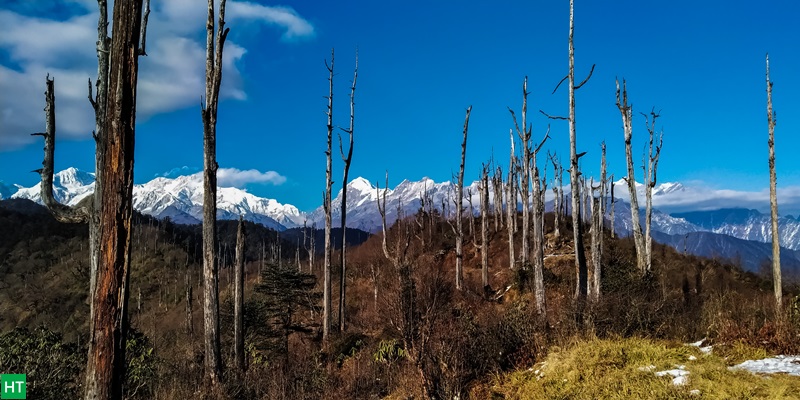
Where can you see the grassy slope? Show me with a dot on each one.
(619, 369)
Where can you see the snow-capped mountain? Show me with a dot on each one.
(362, 196)
(745, 224)
(180, 199)
(6, 191)
(70, 186)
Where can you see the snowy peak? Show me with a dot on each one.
(6, 191)
(360, 185)
(180, 199)
(70, 186)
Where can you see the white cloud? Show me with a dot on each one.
(699, 196)
(232, 177)
(172, 77)
(295, 26)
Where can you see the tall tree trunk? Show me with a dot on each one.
(613, 234)
(773, 201)
(326, 312)
(105, 370)
(346, 158)
(485, 229)
(189, 300)
(238, 299)
(511, 203)
(538, 231)
(524, 134)
(574, 173)
(558, 176)
(213, 363)
(597, 234)
(497, 188)
(460, 206)
(651, 168)
(638, 239)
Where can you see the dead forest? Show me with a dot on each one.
(436, 305)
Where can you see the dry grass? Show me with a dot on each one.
(624, 369)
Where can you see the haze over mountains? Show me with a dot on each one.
(735, 233)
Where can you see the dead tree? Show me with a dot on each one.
(611, 217)
(347, 159)
(597, 234)
(308, 237)
(214, 48)
(511, 202)
(109, 244)
(189, 301)
(581, 270)
(471, 212)
(650, 168)
(326, 313)
(558, 176)
(238, 302)
(497, 193)
(459, 228)
(773, 200)
(627, 116)
(538, 230)
(524, 135)
(484, 246)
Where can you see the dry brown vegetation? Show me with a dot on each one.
(414, 339)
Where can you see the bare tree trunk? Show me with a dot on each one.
(773, 202)
(511, 203)
(538, 230)
(238, 299)
(497, 188)
(471, 213)
(524, 134)
(597, 234)
(558, 175)
(638, 238)
(613, 234)
(484, 196)
(189, 318)
(105, 370)
(326, 313)
(213, 364)
(577, 224)
(650, 182)
(460, 206)
(346, 159)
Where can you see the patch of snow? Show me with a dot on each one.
(692, 358)
(699, 344)
(648, 368)
(779, 364)
(694, 392)
(680, 375)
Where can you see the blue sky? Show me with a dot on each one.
(420, 65)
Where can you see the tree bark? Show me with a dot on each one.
(105, 370)
(484, 195)
(326, 313)
(524, 134)
(627, 116)
(238, 299)
(650, 182)
(511, 203)
(212, 361)
(347, 159)
(773, 201)
(577, 224)
(460, 206)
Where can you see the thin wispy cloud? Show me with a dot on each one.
(170, 78)
(295, 27)
(233, 177)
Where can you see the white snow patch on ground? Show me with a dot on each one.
(699, 344)
(680, 375)
(779, 364)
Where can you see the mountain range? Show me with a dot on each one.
(734, 233)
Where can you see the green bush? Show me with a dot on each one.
(53, 368)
